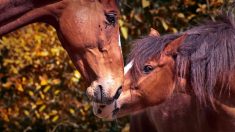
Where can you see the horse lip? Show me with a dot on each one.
(105, 102)
(115, 111)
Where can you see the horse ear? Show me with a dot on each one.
(154, 32)
(172, 47)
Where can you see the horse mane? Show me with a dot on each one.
(207, 53)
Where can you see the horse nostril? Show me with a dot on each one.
(119, 91)
(100, 87)
(102, 106)
(99, 93)
(99, 111)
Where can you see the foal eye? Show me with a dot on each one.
(111, 19)
(147, 69)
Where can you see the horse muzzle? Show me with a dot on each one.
(102, 95)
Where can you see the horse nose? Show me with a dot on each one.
(99, 94)
(101, 97)
(119, 91)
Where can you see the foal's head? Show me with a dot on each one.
(154, 82)
(148, 82)
(90, 34)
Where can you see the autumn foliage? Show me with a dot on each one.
(40, 89)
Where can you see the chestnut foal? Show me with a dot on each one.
(187, 76)
(87, 29)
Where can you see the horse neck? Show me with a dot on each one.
(17, 13)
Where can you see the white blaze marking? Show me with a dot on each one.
(128, 67)
(119, 40)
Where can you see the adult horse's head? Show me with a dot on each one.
(88, 30)
(90, 34)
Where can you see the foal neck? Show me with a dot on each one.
(17, 13)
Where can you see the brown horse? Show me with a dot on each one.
(87, 29)
(199, 62)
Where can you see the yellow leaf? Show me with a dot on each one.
(42, 95)
(77, 74)
(46, 116)
(138, 17)
(53, 112)
(124, 31)
(165, 26)
(43, 107)
(57, 92)
(121, 23)
(24, 79)
(38, 86)
(82, 112)
(37, 114)
(180, 15)
(87, 107)
(191, 16)
(56, 81)
(31, 93)
(46, 89)
(26, 112)
(39, 102)
(33, 106)
(174, 30)
(44, 53)
(74, 79)
(145, 3)
(19, 87)
(14, 70)
(7, 85)
(55, 118)
(5, 117)
(72, 111)
(43, 80)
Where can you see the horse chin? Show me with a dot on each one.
(105, 112)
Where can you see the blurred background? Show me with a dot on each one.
(39, 86)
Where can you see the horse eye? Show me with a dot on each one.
(147, 69)
(111, 18)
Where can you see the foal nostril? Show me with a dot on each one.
(99, 93)
(119, 91)
(99, 111)
(102, 106)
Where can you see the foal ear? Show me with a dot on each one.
(171, 48)
(154, 32)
